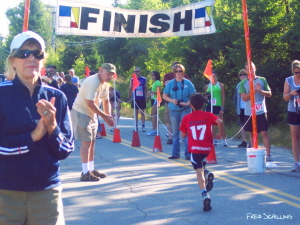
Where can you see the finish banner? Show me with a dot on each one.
(78, 18)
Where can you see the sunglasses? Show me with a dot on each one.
(296, 72)
(243, 74)
(136, 71)
(178, 71)
(23, 54)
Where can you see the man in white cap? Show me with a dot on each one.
(93, 91)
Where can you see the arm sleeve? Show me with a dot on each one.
(267, 87)
(61, 141)
(242, 88)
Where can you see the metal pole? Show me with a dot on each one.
(250, 73)
(26, 15)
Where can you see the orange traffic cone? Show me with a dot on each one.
(157, 146)
(211, 158)
(135, 139)
(117, 136)
(102, 132)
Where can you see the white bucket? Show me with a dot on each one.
(256, 160)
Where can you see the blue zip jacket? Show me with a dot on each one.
(26, 165)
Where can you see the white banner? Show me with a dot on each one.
(77, 18)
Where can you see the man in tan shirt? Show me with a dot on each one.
(93, 91)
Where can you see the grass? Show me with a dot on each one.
(279, 134)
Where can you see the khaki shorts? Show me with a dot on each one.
(37, 207)
(85, 128)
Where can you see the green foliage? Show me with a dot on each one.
(79, 66)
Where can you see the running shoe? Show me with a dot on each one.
(206, 201)
(209, 178)
(296, 168)
(243, 144)
(152, 133)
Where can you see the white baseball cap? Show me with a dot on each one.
(19, 39)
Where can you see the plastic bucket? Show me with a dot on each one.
(256, 160)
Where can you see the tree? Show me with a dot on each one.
(39, 20)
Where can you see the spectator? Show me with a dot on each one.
(240, 107)
(194, 125)
(167, 78)
(177, 94)
(51, 69)
(291, 94)
(75, 80)
(53, 82)
(62, 75)
(60, 81)
(70, 90)
(139, 95)
(115, 103)
(218, 100)
(261, 90)
(94, 90)
(155, 75)
(35, 134)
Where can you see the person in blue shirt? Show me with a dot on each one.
(177, 93)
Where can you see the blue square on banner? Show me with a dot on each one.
(64, 10)
(200, 13)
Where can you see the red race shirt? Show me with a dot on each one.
(198, 127)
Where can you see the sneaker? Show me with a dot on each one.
(209, 178)
(167, 135)
(224, 143)
(270, 162)
(136, 128)
(215, 142)
(188, 157)
(206, 201)
(152, 133)
(169, 142)
(269, 159)
(143, 129)
(243, 144)
(88, 177)
(296, 168)
(173, 157)
(97, 174)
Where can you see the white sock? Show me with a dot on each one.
(91, 165)
(84, 168)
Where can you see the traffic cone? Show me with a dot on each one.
(135, 139)
(157, 146)
(211, 158)
(102, 132)
(117, 136)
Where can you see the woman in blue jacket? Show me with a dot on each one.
(35, 133)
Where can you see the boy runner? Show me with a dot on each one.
(197, 127)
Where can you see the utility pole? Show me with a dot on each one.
(53, 26)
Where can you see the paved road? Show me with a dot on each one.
(144, 187)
